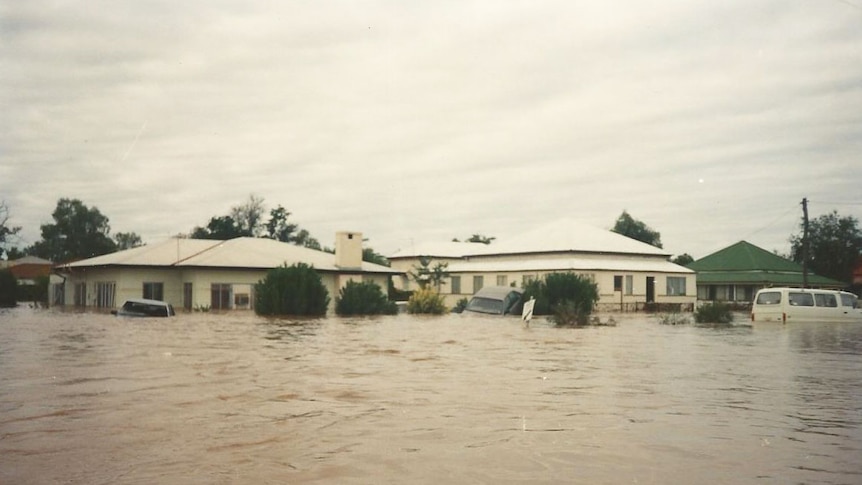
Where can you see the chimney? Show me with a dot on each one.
(348, 250)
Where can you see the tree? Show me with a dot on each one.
(364, 298)
(8, 289)
(127, 240)
(249, 216)
(370, 256)
(683, 259)
(77, 232)
(220, 228)
(635, 229)
(425, 274)
(291, 290)
(277, 227)
(834, 246)
(477, 238)
(6, 231)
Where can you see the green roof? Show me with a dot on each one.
(745, 263)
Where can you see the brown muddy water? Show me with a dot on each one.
(210, 399)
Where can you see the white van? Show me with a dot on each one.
(805, 305)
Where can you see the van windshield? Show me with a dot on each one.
(849, 300)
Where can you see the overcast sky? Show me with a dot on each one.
(422, 121)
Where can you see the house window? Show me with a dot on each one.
(154, 291)
(502, 280)
(618, 283)
(220, 294)
(478, 283)
(630, 284)
(80, 294)
(105, 291)
(675, 286)
(456, 285)
(59, 294)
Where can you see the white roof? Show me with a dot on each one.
(242, 252)
(560, 236)
(580, 264)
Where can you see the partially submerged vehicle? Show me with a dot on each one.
(497, 300)
(142, 307)
(805, 305)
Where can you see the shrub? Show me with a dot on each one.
(426, 300)
(365, 298)
(674, 318)
(713, 313)
(460, 305)
(567, 297)
(293, 290)
(8, 289)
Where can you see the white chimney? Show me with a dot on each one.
(348, 250)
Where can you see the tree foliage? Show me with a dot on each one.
(834, 246)
(7, 232)
(426, 300)
(569, 297)
(291, 290)
(277, 226)
(683, 259)
(248, 216)
(78, 232)
(127, 240)
(424, 274)
(8, 289)
(635, 229)
(370, 256)
(363, 298)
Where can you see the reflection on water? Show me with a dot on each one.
(234, 398)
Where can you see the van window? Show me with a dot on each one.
(849, 300)
(769, 298)
(825, 299)
(801, 299)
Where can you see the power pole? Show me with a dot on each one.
(805, 242)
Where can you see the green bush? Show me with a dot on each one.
(567, 297)
(291, 290)
(426, 300)
(8, 289)
(713, 313)
(365, 298)
(460, 305)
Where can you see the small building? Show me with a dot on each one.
(207, 274)
(630, 275)
(735, 273)
(28, 268)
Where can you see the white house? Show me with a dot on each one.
(629, 273)
(200, 273)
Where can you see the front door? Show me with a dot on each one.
(650, 289)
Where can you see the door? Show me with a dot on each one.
(650, 289)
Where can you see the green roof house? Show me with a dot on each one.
(735, 273)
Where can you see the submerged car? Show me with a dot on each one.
(142, 307)
(497, 300)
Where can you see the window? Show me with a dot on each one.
(769, 298)
(105, 291)
(618, 283)
(800, 299)
(630, 284)
(220, 294)
(154, 291)
(478, 283)
(825, 299)
(187, 296)
(80, 294)
(456, 285)
(675, 286)
(502, 280)
(849, 300)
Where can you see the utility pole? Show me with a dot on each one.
(804, 242)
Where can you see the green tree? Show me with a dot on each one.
(426, 300)
(370, 256)
(277, 227)
(425, 274)
(834, 246)
(683, 259)
(478, 238)
(219, 228)
(127, 240)
(77, 232)
(8, 289)
(569, 297)
(635, 229)
(291, 290)
(363, 298)
(7, 232)
(248, 216)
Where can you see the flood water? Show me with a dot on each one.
(235, 398)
